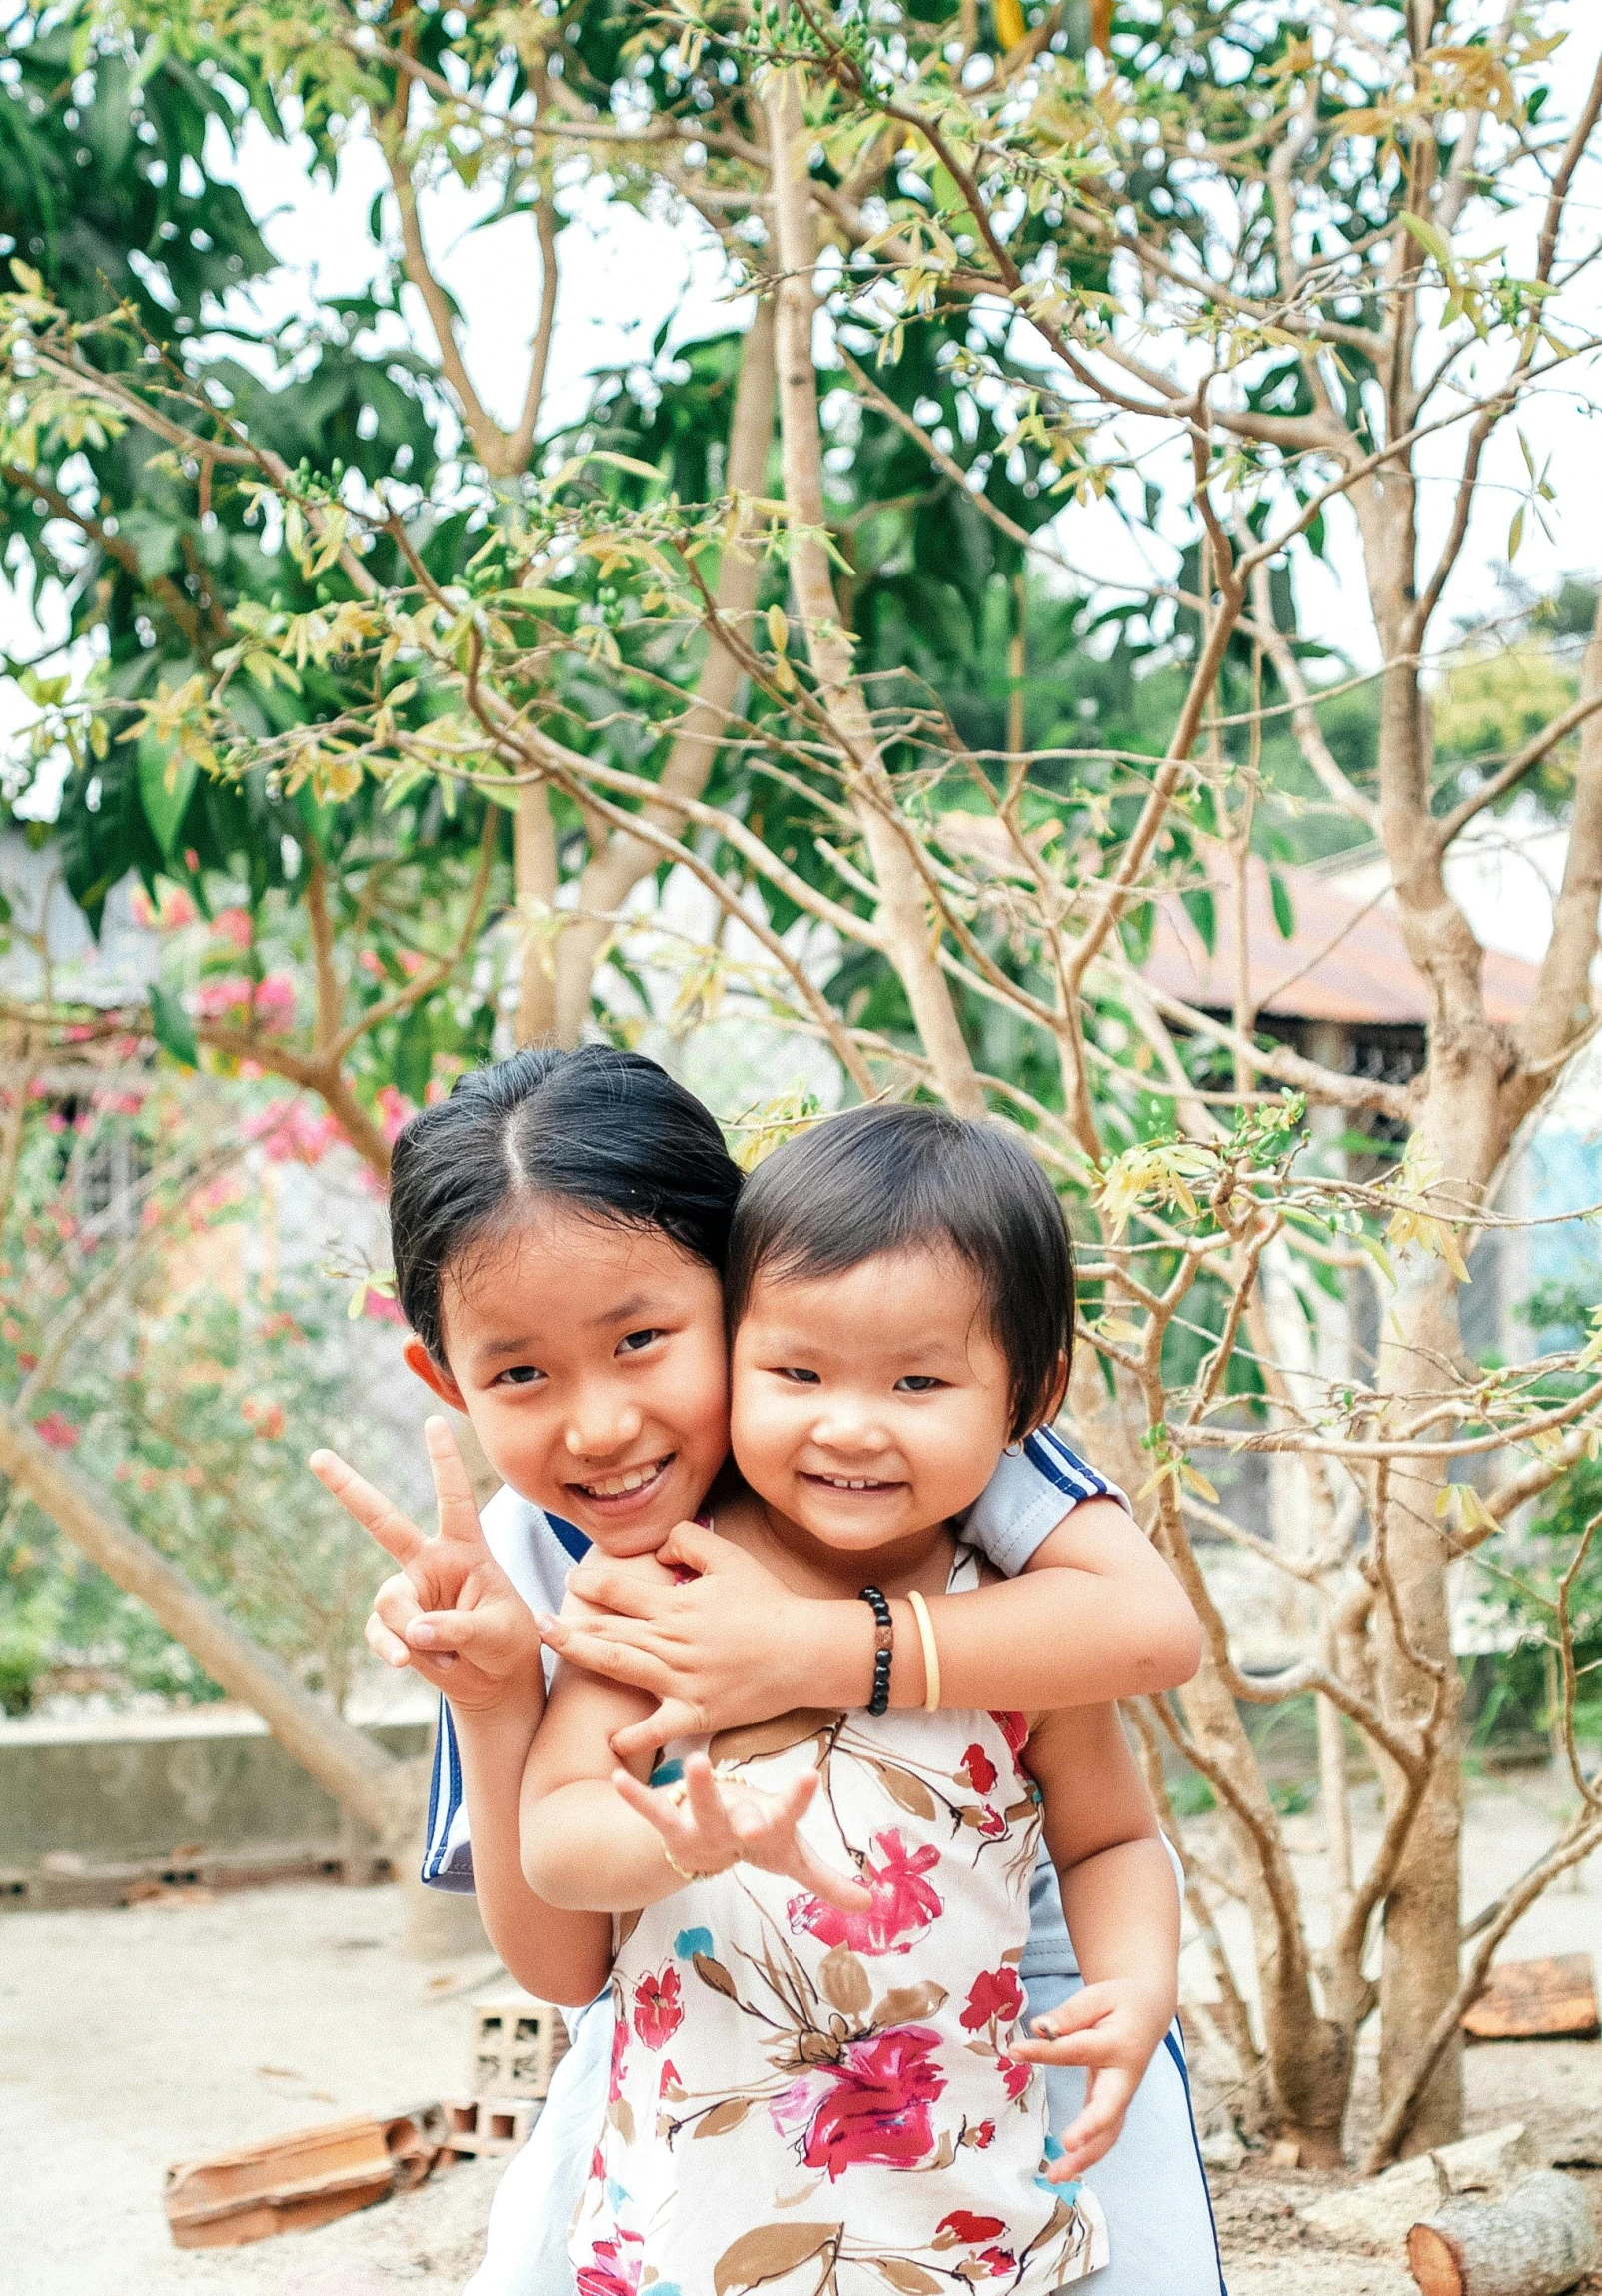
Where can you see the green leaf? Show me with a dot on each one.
(1284, 914)
(166, 785)
(1430, 238)
(1202, 910)
(172, 1028)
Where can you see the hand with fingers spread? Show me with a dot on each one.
(714, 1821)
(1113, 2029)
(729, 1646)
(450, 1612)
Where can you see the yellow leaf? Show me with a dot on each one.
(778, 628)
(1009, 24)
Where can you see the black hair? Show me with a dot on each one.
(883, 1178)
(606, 1131)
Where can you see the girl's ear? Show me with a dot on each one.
(433, 1374)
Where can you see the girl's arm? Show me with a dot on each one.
(452, 1613)
(1122, 1910)
(597, 1837)
(1098, 1615)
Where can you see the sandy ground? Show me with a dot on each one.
(129, 2040)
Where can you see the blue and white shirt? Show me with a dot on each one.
(1021, 1505)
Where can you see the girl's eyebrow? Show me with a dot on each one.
(623, 1311)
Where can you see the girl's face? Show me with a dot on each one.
(871, 1406)
(589, 1357)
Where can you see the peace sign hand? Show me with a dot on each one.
(450, 1612)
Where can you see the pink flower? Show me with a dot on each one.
(233, 925)
(992, 1824)
(610, 2271)
(658, 2012)
(1014, 1728)
(979, 1768)
(982, 2137)
(378, 1308)
(395, 1110)
(964, 2226)
(1016, 2077)
(619, 2041)
(290, 1134)
(58, 1432)
(995, 1997)
(905, 1905)
(875, 2103)
(1001, 2260)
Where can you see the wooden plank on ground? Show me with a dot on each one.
(1546, 2001)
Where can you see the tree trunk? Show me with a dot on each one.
(903, 913)
(533, 873)
(383, 1795)
(621, 864)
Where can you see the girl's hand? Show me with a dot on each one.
(1112, 2030)
(728, 1647)
(718, 1822)
(450, 1612)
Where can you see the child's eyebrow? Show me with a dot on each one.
(623, 1311)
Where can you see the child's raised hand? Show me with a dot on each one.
(1112, 2030)
(716, 1823)
(450, 1610)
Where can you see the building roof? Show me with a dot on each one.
(1344, 961)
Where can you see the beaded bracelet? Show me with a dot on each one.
(884, 1647)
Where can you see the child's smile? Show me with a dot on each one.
(869, 1406)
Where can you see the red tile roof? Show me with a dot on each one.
(1343, 962)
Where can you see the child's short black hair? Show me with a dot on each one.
(606, 1131)
(883, 1178)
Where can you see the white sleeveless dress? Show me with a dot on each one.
(815, 2103)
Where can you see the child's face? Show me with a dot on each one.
(869, 1406)
(590, 1360)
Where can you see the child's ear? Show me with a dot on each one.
(433, 1374)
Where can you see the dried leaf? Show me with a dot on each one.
(768, 2253)
(844, 1982)
(725, 2116)
(905, 1790)
(906, 2004)
(713, 1973)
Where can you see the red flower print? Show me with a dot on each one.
(979, 1768)
(904, 1904)
(982, 2137)
(995, 1997)
(875, 2103)
(619, 2041)
(1001, 2260)
(1017, 2076)
(609, 2272)
(963, 2225)
(658, 2012)
(1014, 1728)
(669, 2077)
(992, 1824)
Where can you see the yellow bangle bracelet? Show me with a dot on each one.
(931, 1650)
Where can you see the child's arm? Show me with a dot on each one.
(479, 1644)
(1122, 1910)
(1098, 1614)
(597, 1837)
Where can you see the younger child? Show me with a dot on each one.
(828, 2087)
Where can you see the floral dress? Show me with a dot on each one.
(817, 2103)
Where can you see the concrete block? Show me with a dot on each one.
(518, 2042)
(487, 2126)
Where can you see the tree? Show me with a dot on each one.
(1243, 247)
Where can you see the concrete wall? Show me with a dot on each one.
(138, 1789)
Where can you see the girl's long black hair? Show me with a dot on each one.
(609, 1132)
